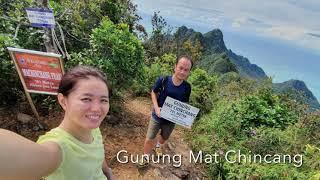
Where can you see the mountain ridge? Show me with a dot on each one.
(298, 90)
(217, 58)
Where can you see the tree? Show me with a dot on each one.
(192, 49)
(76, 18)
(114, 50)
(161, 40)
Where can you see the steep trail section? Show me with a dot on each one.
(127, 132)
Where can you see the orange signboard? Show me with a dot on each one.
(40, 72)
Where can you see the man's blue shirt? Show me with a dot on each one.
(181, 93)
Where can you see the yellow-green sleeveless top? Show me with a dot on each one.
(80, 161)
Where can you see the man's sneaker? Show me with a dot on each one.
(143, 162)
(158, 151)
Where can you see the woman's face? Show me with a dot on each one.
(87, 104)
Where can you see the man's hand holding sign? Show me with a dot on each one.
(178, 112)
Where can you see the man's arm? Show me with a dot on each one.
(20, 157)
(155, 103)
(188, 92)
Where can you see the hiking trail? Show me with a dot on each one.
(123, 130)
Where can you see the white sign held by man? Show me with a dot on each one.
(178, 112)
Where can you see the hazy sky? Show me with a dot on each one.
(280, 36)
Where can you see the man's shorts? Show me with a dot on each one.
(154, 127)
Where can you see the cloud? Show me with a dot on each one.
(294, 35)
(314, 35)
(285, 32)
(247, 22)
(290, 20)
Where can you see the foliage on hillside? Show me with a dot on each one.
(204, 90)
(76, 19)
(217, 64)
(257, 121)
(8, 77)
(115, 51)
(244, 114)
(297, 90)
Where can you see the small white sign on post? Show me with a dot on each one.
(178, 112)
(39, 17)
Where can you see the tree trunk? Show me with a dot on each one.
(47, 38)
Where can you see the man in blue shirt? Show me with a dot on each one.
(176, 87)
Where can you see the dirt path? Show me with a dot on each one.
(128, 133)
(125, 131)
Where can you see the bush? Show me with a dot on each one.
(258, 123)
(262, 109)
(11, 90)
(311, 124)
(204, 90)
(235, 90)
(115, 51)
(263, 171)
(228, 78)
(162, 66)
(217, 64)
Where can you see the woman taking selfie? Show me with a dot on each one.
(74, 149)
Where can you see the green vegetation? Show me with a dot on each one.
(262, 123)
(297, 90)
(162, 66)
(204, 90)
(8, 76)
(115, 51)
(217, 63)
(238, 112)
(112, 46)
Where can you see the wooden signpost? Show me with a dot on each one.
(39, 72)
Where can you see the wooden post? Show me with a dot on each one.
(33, 107)
(48, 42)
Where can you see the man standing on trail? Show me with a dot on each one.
(176, 87)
